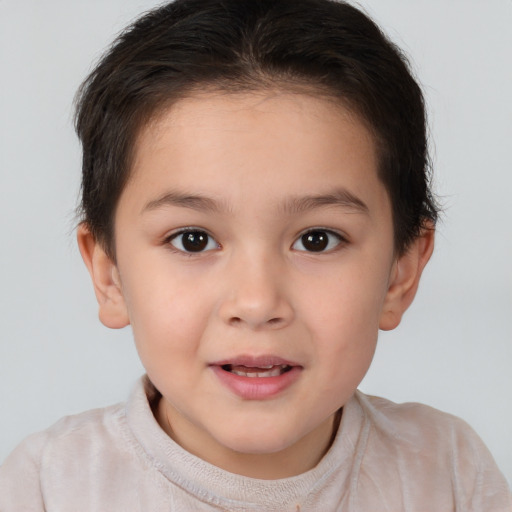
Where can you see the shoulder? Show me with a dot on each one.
(421, 429)
(411, 420)
(90, 425)
(85, 430)
(422, 444)
(55, 453)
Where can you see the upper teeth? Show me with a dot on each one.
(269, 371)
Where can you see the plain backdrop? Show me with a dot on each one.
(454, 348)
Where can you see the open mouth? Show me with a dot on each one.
(260, 371)
(257, 377)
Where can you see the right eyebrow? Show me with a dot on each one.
(183, 200)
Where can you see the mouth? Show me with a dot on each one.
(271, 370)
(257, 377)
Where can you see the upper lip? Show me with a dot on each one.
(255, 361)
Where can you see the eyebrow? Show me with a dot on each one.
(295, 205)
(192, 201)
(339, 198)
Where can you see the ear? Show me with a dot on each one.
(405, 278)
(105, 278)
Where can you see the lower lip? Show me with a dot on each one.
(257, 388)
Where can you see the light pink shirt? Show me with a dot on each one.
(385, 458)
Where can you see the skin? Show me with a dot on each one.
(238, 168)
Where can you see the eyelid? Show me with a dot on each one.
(341, 239)
(189, 229)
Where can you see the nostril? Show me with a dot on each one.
(236, 320)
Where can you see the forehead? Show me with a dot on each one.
(232, 145)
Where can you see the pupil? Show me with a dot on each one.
(315, 241)
(194, 241)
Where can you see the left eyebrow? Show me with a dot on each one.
(339, 198)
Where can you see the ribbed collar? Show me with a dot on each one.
(231, 491)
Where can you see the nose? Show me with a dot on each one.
(256, 294)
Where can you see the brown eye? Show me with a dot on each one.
(193, 241)
(317, 240)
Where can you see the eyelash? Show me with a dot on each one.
(205, 241)
(192, 232)
(329, 247)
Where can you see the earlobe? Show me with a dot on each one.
(105, 277)
(405, 278)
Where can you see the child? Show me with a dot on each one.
(256, 205)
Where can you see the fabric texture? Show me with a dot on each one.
(385, 458)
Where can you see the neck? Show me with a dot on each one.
(296, 459)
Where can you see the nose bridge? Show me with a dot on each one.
(256, 295)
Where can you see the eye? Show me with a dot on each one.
(193, 240)
(317, 240)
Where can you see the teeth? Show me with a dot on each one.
(270, 371)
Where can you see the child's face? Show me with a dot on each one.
(255, 264)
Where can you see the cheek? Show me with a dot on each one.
(348, 302)
(167, 316)
(343, 317)
(345, 342)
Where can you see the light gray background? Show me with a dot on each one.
(454, 348)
